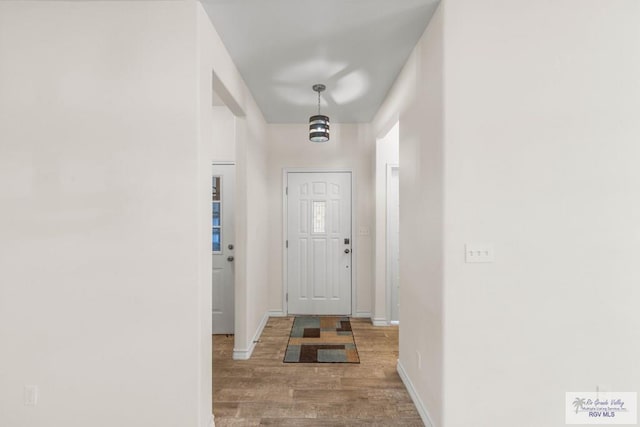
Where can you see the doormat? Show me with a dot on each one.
(321, 339)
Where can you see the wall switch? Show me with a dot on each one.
(30, 395)
(479, 252)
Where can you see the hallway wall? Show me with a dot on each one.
(240, 138)
(387, 153)
(422, 220)
(223, 134)
(105, 262)
(524, 136)
(542, 131)
(351, 147)
(252, 201)
(100, 275)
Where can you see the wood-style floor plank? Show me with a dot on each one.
(264, 391)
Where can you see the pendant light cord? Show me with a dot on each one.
(318, 102)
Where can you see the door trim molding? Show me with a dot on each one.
(388, 280)
(354, 240)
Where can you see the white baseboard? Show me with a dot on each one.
(212, 423)
(365, 314)
(380, 322)
(277, 313)
(422, 410)
(240, 354)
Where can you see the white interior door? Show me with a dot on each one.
(222, 246)
(319, 243)
(393, 241)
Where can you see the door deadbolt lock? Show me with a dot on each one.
(230, 247)
(229, 258)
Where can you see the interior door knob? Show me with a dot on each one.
(346, 251)
(229, 258)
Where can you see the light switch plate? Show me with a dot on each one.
(479, 252)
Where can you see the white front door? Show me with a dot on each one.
(319, 243)
(222, 246)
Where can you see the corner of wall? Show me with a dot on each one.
(245, 354)
(415, 397)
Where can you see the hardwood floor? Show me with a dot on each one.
(266, 391)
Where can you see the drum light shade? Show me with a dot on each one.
(318, 128)
(319, 124)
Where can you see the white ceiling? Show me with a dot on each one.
(355, 47)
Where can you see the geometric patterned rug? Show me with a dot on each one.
(321, 339)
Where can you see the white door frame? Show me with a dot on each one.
(354, 264)
(388, 279)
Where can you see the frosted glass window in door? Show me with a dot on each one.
(319, 216)
(216, 214)
(215, 238)
(216, 208)
(215, 187)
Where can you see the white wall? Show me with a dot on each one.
(252, 233)
(224, 134)
(421, 225)
(106, 137)
(241, 139)
(207, 129)
(416, 100)
(351, 147)
(542, 131)
(100, 274)
(524, 136)
(387, 153)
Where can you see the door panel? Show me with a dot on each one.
(222, 237)
(319, 243)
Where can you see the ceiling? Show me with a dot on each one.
(355, 47)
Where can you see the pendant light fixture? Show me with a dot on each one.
(318, 124)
